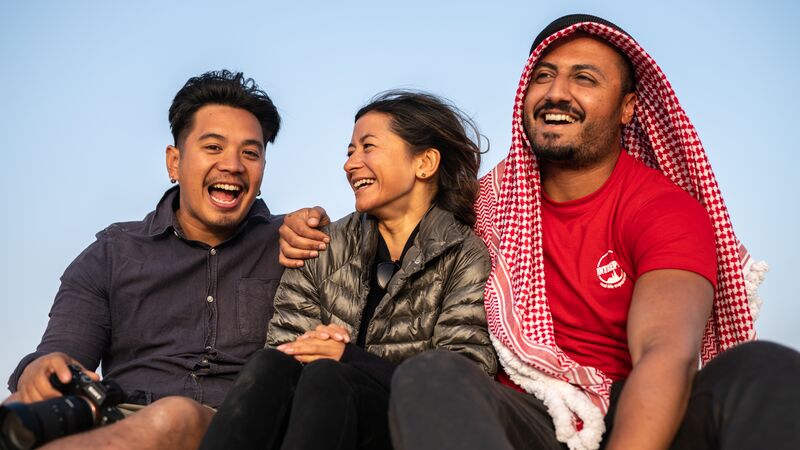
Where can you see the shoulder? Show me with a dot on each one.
(345, 235)
(464, 244)
(346, 226)
(647, 189)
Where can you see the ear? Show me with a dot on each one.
(628, 108)
(173, 162)
(428, 163)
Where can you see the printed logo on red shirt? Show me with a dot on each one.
(610, 273)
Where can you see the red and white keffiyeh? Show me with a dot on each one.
(509, 220)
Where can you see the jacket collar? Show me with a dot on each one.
(438, 231)
(164, 220)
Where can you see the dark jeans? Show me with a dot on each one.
(277, 402)
(746, 398)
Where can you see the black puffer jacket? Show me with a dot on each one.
(435, 300)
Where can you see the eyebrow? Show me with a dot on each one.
(590, 68)
(212, 136)
(576, 67)
(362, 139)
(220, 137)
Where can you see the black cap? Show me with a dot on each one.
(566, 21)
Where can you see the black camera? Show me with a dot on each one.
(85, 404)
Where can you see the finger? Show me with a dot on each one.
(342, 332)
(289, 263)
(318, 217)
(93, 375)
(335, 331)
(298, 223)
(59, 366)
(315, 335)
(294, 242)
(308, 346)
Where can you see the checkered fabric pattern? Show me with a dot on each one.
(509, 220)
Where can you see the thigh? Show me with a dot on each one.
(746, 398)
(525, 419)
(442, 400)
(338, 406)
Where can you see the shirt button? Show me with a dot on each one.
(210, 299)
(213, 251)
(208, 348)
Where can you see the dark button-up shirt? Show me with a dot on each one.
(166, 315)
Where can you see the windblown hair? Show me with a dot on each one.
(222, 88)
(425, 121)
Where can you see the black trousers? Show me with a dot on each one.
(746, 398)
(276, 402)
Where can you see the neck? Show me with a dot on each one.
(194, 232)
(396, 230)
(563, 183)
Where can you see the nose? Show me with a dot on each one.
(230, 161)
(558, 90)
(353, 162)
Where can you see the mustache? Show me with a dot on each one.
(564, 107)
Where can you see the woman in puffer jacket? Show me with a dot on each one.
(402, 275)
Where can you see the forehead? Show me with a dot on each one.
(233, 123)
(374, 123)
(581, 49)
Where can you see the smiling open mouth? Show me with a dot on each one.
(362, 183)
(224, 194)
(558, 119)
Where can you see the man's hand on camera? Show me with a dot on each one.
(300, 236)
(34, 383)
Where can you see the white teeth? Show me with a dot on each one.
(558, 118)
(363, 182)
(226, 187)
(225, 202)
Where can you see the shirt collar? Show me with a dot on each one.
(164, 219)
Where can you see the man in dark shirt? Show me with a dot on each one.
(173, 305)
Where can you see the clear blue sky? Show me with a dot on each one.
(85, 88)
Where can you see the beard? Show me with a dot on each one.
(595, 141)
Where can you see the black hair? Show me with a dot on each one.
(222, 88)
(425, 121)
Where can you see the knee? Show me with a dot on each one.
(267, 365)
(175, 416)
(432, 370)
(762, 356)
(760, 366)
(321, 374)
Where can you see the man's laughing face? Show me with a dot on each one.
(219, 166)
(575, 104)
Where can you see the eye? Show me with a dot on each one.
(214, 147)
(254, 154)
(542, 76)
(585, 78)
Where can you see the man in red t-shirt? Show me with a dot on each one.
(609, 278)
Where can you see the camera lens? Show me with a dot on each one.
(26, 426)
(15, 435)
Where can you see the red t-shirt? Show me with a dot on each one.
(596, 247)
